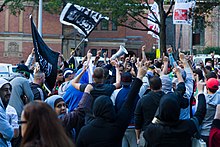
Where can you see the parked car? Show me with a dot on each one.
(5, 70)
(204, 58)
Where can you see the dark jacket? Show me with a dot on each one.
(169, 130)
(146, 109)
(76, 118)
(147, 106)
(39, 93)
(108, 127)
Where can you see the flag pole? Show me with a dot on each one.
(80, 43)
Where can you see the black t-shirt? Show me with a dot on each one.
(99, 89)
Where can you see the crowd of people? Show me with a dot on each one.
(124, 102)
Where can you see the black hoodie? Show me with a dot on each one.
(107, 128)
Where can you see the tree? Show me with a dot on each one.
(127, 13)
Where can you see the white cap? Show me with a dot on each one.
(68, 72)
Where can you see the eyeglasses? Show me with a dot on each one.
(61, 105)
(22, 122)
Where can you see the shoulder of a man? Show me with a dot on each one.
(82, 87)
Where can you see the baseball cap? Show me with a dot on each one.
(67, 71)
(126, 78)
(3, 82)
(22, 67)
(212, 83)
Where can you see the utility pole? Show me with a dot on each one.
(40, 17)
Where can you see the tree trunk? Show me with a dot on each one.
(162, 27)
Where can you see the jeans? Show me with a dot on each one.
(129, 139)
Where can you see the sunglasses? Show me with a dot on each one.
(22, 122)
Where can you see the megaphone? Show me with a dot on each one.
(122, 50)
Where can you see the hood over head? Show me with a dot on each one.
(103, 108)
(53, 100)
(169, 108)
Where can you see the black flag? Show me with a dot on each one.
(81, 18)
(46, 57)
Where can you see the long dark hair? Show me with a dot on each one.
(44, 129)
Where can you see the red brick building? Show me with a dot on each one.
(16, 40)
(15, 34)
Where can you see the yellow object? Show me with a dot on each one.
(157, 53)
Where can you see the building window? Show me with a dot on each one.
(104, 25)
(103, 51)
(94, 52)
(199, 31)
(113, 51)
(114, 27)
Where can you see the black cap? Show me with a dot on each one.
(22, 67)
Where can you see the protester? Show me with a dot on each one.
(108, 127)
(68, 74)
(212, 100)
(21, 94)
(72, 95)
(59, 81)
(214, 136)
(41, 128)
(12, 118)
(118, 98)
(99, 88)
(21, 90)
(147, 107)
(57, 103)
(169, 130)
(6, 130)
(36, 86)
(74, 120)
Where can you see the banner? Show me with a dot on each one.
(183, 11)
(81, 18)
(151, 25)
(46, 57)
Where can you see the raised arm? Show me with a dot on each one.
(189, 75)
(201, 108)
(165, 65)
(118, 75)
(75, 82)
(144, 58)
(73, 118)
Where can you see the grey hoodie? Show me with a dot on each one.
(211, 102)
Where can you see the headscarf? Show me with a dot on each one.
(53, 100)
(169, 108)
(103, 108)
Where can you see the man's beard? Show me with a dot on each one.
(5, 101)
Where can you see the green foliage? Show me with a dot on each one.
(209, 50)
(151, 55)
